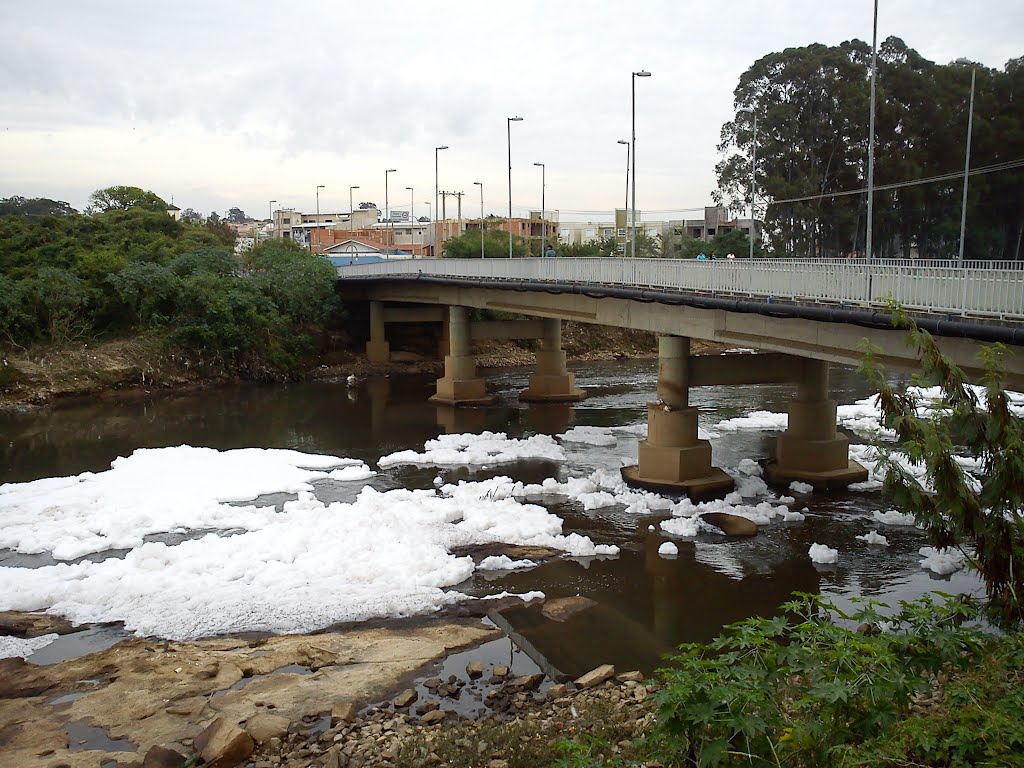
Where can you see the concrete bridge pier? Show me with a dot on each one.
(377, 348)
(672, 458)
(460, 384)
(811, 450)
(552, 383)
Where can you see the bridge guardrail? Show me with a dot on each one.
(967, 289)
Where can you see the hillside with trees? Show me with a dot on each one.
(812, 108)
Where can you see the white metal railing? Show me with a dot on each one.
(973, 288)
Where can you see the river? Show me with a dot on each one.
(647, 604)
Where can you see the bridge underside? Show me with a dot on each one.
(831, 342)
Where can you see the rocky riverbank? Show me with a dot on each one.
(355, 696)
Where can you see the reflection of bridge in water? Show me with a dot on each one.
(672, 607)
(800, 315)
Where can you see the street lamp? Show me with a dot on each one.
(543, 225)
(753, 168)
(387, 216)
(641, 73)
(318, 188)
(481, 185)
(272, 217)
(625, 206)
(350, 205)
(509, 125)
(436, 193)
(412, 217)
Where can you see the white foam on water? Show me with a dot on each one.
(477, 450)
(874, 537)
(941, 561)
(823, 554)
(668, 549)
(590, 435)
(11, 647)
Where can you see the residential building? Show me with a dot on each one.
(716, 221)
(304, 228)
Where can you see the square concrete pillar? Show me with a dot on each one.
(552, 383)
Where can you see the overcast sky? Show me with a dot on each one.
(221, 104)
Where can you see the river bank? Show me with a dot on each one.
(348, 696)
(141, 368)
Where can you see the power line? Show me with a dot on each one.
(1006, 166)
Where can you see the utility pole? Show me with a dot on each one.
(458, 197)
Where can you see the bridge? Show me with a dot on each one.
(801, 315)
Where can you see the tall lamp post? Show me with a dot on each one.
(318, 188)
(543, 224)
(387, 216)
(481, 185)
(412, 216)
(272, 217)
(625, 205)
(350, 205)
(753, 170)
(509, 125)
(871, 134)
(641, 73)
(436, 194)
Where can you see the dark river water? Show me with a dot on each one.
(647, 604)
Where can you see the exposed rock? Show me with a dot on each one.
(161, 757)
(434, 716)
(405, 698)
(563, 608)
(265, 726)
(317, 657)
(731, 525)
(630, 677)
(475, 669)
(18, 679)
(556, 692)
(500, 672)
(528, 682)
(343, 712)
(596, 676)
(223, 744)
(32, 624)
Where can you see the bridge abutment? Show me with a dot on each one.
(673, 458)
(811, 450)
(460, 385)
(552, 383)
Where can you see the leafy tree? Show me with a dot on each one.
(191, 215)
(467, 245)
(34, 206)
(300, 284)
(237, 216)
(366, 206)
(121, 198)
(812, 139)
(983, 515)
(580, 250)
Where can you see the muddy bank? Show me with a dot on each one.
(133, 369)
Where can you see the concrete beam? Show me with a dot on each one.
(414, 314)
(728, 370)
(481, 330)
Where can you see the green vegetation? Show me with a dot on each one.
(804, 691)
(129, 269)
(467, 245)
(812, 138)
(981, 515)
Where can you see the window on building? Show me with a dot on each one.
(696, 232)
(711, 231)
(286, 221)
(621, 247)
